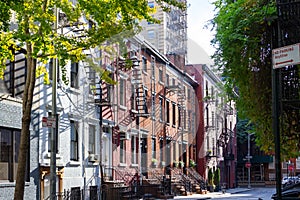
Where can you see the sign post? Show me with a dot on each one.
(49, 122)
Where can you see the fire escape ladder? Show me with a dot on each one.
(140, 94)
(181, 102)
(100, 91)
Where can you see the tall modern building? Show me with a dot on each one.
(170, 36)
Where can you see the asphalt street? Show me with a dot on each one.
(236, 193)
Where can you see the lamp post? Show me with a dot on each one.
(248, 160)
(54, 131)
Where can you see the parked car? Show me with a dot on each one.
(290, 180)
(289, 192)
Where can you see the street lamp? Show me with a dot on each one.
(248, 160)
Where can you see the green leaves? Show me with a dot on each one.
(94, 21)
(243, 39)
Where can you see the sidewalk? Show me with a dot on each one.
(228, 192)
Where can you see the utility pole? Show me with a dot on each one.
(54, 131)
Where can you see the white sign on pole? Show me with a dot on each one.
(287, 55)
(48, 122)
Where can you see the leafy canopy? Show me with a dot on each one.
(97, 21)
(243, 52)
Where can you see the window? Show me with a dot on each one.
(206, 88)
(92, 139)
(167, 80)
(207, 116)
(110, 89)
(184, 118)
(152, 67)
(160, 74)
(168, 111)
(173, 114)
(74, 141)
(92, 79)
(151, 34)
(173, 82)
(9, 153)
(133, 97)
(153, 105)
(122, 151)
(144, 63)
(145, 100)
(212, 118)
(207, 143)
(161, 117)
(212, 92)
(134, 149)
(174, 151)
(189, 125)
(179, 116)
(161, 147)
(74, 75)
(153, 148)
(122, 92)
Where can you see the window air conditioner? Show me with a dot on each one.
(93, 157)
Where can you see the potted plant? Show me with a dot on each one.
(217, 179)
(175, 163)
(192, 163)
(210, 178)
(208, 153)
(181, 164)
(154, 162)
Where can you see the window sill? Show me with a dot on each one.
(58, 156)
(134, 165)
(123, 107)
(74, 163)
(74, 90)
(161, 83)
(10, 184)
(93, 163)
(122, 165)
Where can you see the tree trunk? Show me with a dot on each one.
(26, 119)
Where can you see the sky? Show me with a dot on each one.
(199, 13)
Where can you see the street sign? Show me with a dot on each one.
(248, 164)
(48, 122)
(287, 55)
(248, 157)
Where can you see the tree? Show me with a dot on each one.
(243, 128)
(243, 41)
(217, 178)
(210, 177)
(36, 33)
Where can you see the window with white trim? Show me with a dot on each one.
(92, 139)
(122, 151)
(122, 91)
(74, 75)
(74, 141)
(134, 149)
